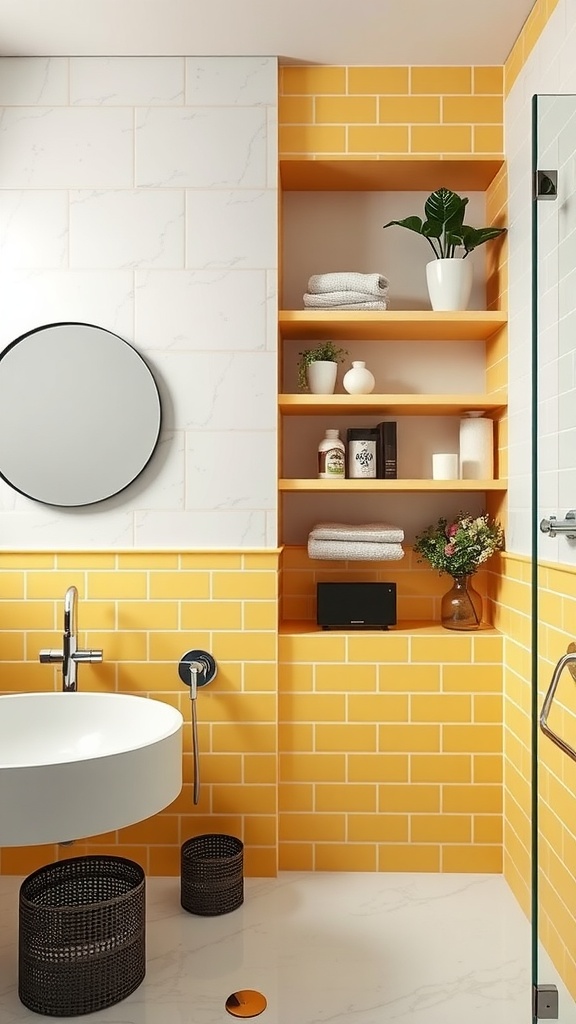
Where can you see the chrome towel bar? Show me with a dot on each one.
(566, 660)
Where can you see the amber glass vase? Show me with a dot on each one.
(462, 605)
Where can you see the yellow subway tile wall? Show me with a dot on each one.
(556, 771)
(390, 750)
(526, 41)
(369, 112)
(145, 610)
(512, 616)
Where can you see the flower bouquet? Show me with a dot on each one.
(459, 548)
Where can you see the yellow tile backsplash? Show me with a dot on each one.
(146, 610)
(389, 731)
(350, 109)
(409, 110)
(487, 80)
(374, 111)
(378, 80)
(444, 138)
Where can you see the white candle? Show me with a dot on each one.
(445, 466)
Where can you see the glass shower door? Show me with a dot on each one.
(554, 558)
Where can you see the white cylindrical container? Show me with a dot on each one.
(476, 447)
(331, 459)
(359, 380)
(445, 466)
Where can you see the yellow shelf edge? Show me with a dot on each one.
(441, 486)
(307, 627)
(391, 325)
(409, 404)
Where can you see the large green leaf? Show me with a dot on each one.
(442, 205)
(412, 223)
(431, 229)
(455, 222)
(473, 237)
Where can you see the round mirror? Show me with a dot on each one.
(79, 414)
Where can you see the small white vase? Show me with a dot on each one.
(449, 283)
(321, 376)
(358, 380)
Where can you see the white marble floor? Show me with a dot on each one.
(337, 948)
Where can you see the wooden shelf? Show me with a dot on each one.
(311, 326)
(389, 173)
(392, 486)
(397, 405)
(389, 325)
(299, 627)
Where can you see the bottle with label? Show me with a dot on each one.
(331, 457)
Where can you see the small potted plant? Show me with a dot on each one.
(448, 276)
(318, 368)
(459, 548)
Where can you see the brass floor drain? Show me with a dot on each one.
(246, 1003)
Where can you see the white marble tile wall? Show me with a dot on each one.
(140, 194)
(550, 70)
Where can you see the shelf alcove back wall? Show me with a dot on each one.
(339, 231)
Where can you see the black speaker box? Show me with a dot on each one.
(356, 605)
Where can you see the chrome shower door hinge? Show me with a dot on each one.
(545, 1002)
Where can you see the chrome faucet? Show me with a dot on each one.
(70, 657)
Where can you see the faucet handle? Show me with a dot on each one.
(90, 655)
(50, 656)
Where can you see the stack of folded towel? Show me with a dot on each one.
(347, 290)
(368, 542)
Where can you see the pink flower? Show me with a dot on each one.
(451, 531)
(449, 549)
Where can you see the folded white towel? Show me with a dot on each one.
(381, 533)
(354, 551)
(350, 281)
(353, 305)
(342, 300)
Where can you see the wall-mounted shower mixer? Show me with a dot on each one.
(196, 669)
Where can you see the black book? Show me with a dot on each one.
(387, 451)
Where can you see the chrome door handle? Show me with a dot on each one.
(566, 659)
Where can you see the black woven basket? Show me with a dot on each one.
(211, 876)
(81, 942)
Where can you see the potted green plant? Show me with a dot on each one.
(318, 368)
(448, 276)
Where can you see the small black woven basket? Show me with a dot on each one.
(212, 876)
(81, 941)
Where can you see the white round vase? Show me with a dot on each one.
(321, 376)
(358, 380)
(449, 283)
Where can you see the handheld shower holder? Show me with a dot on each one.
(204, 664)
(196, 668)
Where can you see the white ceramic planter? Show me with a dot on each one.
(449, 283)
(321, 377)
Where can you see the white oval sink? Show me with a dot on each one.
(74, 765)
